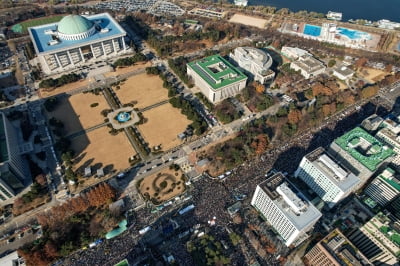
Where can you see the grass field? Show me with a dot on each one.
(163, 126)
(143, 88)
(162, 186)
(77, 114)
(100, 149)
(371, 75)
(23, 26)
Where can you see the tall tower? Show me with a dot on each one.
(14, 171)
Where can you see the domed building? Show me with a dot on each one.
(76, 39)
(75, 27)
(254, 62)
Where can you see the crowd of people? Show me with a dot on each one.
(212, 197)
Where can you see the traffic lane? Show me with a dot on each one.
(18, 242)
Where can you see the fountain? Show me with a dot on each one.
(122, 117)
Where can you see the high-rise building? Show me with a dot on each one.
(377, 240)
(361, 153)
(326, 177)
(285, 208)
(255, 62)
(14, 173)
(216, 78)
(390, 135)
(384, 188)
(335, 250)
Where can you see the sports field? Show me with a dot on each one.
(162, 186)
(143, 88)
(77, 114)
(163, 126)
(23, 26)
(99, 148)
(248, 20)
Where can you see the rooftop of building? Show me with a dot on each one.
(292, 203)
(388, 175)
(344, 70)
(365, 148)
(341, 248)
(74, 24)
(299, 52)
(332, 169)
(41, 40)
(309, 64)
(216, 71)
(372, 122)
(3, 141)
(256, 56)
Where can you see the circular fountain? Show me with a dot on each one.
(122, 117)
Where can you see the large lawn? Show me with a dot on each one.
(99, 148)
(163, 125)
(145, 89)
(23, 26)
(77, 114)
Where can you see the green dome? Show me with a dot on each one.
(74, 24)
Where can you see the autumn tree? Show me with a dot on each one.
(51, 250)
(328, 109)
(294, 116)
(360, 62)
(259, 88)
(260, 144)
(369, 91)
(41, 180)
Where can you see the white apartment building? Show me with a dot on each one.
(285, 208)
(326, 177)
(254, 61)
(384, 188)
(308, 66)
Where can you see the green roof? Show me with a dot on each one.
(3, 142)
(123, 263)
(191, 21)
(74, 24)
(371, 158)
(217, 71)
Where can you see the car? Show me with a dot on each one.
(21, 235)
(11, 240)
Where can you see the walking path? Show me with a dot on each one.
(87, 130)
(154, 106)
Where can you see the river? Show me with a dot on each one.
(352, 9)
